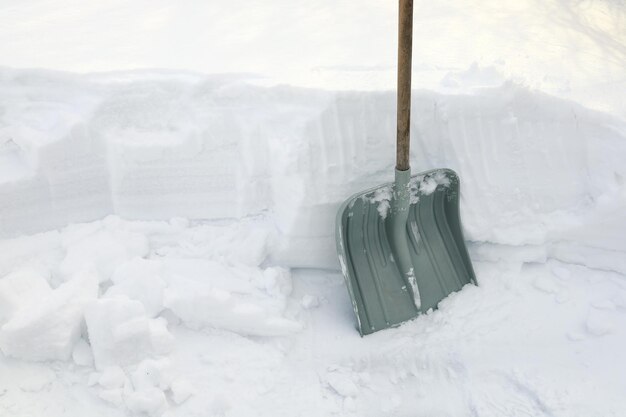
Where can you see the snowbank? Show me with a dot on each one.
(191, 308)
(215, 147)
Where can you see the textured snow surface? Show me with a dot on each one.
(192, 327)
(191, 308)
(215, 147)
(154, 223)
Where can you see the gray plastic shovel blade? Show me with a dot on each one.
(383, 295)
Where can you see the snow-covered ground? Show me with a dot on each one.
(189, 320)
(166, 236)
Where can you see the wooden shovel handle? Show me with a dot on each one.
(405, 44)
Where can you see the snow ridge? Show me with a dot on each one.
(211, 147)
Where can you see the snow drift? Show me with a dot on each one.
(158, 145)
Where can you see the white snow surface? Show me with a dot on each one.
(539, 336)
(167, 237)
(575, 49)
(211, 147)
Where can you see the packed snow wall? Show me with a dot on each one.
(156, 145)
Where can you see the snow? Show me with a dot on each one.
(45, 328)
(203, 147)
(383, 196)
(572, 49)
(102, 251)
(232, 302)
(22, 287)
(166, 235)
(524, 341)
(120, 332)
(82, 354)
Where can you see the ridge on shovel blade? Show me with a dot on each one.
(381, 296)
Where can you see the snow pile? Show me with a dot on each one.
(213, 147)
(106, 294)
(196, 315)
(187, 318)
(252, 305)
(205, 293)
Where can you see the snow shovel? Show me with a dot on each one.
(400, 245)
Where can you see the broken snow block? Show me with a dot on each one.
(20, 288)
(48, 330)
(121, 333)
(139, 279)
(102, 250)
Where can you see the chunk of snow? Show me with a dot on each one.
(120, 332)
(49, 329)
(242, 299)
(19, 289)
(382, 196)
(429, 183)
(139, 279)
(103, 250)
(410, 277)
